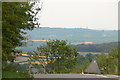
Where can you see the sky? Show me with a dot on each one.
(92, 14)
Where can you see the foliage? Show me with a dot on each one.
(83, 62)
(90, 57)
(108, 62)
(104, 47)
(16, 17)
(59, 57)
(79, 67)
(14, 70)
(80, 60)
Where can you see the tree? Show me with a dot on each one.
(81, 58)
(16, 17)
(79, 67)
(108, 62)
(89, 57)
(59, 57)
(15, 70)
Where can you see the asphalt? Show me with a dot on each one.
(74, 77)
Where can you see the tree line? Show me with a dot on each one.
(103, 47)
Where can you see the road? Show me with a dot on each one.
(75, 77)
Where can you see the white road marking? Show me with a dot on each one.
(101, 75)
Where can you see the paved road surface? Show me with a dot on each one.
(75, 77)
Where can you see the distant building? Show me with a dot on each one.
(93, 68)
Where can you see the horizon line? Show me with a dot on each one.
(78, 27)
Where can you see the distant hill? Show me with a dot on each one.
(73, 35)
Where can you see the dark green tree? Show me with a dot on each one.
(16, 17)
